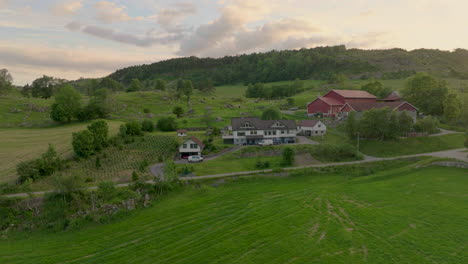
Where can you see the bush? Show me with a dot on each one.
(427, 125)
(147, 125)
(335, 152)
(178, 111)
(46, 165)
(262, 164)
(99, 130)
(135, 176)
(167, 124)
(133, 128)
(83, 143)
(107, 192)
(146, 111)
(271, 114)
(288, 156)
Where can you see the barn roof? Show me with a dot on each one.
(308, 123)
(393, 96)
(364, 106)
(353, 94)
(259, 124)
(181, 130)
(330, 101)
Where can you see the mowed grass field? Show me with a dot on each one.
(413, 145)
(397, 215)
(20, 144)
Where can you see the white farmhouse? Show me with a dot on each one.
(251, 130)
(191, 146)
(312, 128)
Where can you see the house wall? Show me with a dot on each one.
(318, 106)
(239, 140)
(318, 130)
(187, 148)
(360, 100)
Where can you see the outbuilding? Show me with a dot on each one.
(181, 132)
(311, 128)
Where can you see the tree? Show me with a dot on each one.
(26, 91)
(428, 125)
(271, 114)
(393, 129)
(426, 92)
(99, 130)
(207, 118)
(178, 111)
(135, 85)
(6, 81)
(291, 101)
(49, 162)
(83, 143)
(147, 125)
(337, 79)
(133, 128)
(160, 85)
(187, 91)
(352, 125)
(167, 124)
(100, 104)
(376, 88)
(288, 156)
(206, 86)
(44, 87)
(466, 140)
(405, 123)
(110, 84)
(67, 104)
(452, 107)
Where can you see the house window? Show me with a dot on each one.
(278, 124)
(184, 146)
(193, 146)
(316, 132)
(319, 125)
(253, 132)
(247, 125)
(240, 134)
(282, 131)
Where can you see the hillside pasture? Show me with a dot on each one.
(20, 144)
(394, 215)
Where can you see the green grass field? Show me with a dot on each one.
(396, 215)
(410, 146)
(20, 144)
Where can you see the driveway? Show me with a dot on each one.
(444, 132)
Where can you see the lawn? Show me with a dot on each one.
(410, 146)
(20, 144)
(400, 216)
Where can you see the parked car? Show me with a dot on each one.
(265, 142)
(195, 158)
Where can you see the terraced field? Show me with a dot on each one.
(401, 215)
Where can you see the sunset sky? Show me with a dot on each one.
(92, 38)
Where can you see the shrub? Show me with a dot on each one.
(83, 143)
(262, 164)
(107, 191)
(167, 124)
(335, 152)
(427, 125)
(46, 165)
(288, 156)
(98, 163)
(135, 176)
(271, 114)
(99, 130)
(147, 125)
(133, 128)
(146, 111)
(178, 111)
(27, 170)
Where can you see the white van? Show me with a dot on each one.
(265, 142)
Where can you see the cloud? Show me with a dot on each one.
(111, 34)
(4, 3)
(68, 7)
(109, 12)
(169, 17)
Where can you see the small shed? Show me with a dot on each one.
(312, 128)
(191, 146)
(181, 132)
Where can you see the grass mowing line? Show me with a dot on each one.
(189, 238)
(159, 233)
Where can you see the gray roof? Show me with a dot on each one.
(258, 124)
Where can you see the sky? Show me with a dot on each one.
(72, 39)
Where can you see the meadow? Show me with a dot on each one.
(385, 212)
(20, 144)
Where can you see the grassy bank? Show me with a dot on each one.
(404, 216)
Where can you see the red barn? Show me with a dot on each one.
(341, 102)
(331, 103)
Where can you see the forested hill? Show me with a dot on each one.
(315, 63)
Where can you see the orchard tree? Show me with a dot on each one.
(178, 111)
(67, 104)
(100, 132)
(426, 92)
(6, 81)
(452, 107)
(135, 85)
(271, 114)
(160, 85)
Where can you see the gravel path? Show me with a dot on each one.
(444, 132)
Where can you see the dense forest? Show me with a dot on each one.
(314, 63)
